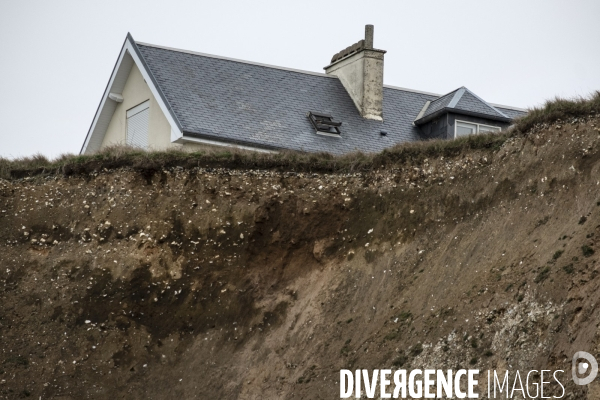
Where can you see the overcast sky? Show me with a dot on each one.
(56, 56)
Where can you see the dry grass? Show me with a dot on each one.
(559, 109)
(120, 156)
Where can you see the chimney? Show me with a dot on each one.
(360, 69)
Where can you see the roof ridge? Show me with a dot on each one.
(458, 94)
(509, 107)
(411, 90)
(301, 71)
(443, 96)
(197, 53)
(486, 103)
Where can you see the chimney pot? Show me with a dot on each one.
(369, 33)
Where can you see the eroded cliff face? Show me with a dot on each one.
(220, 283)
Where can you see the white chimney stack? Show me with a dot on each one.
(360, 69)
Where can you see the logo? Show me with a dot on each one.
(589, 366)
(437, 384)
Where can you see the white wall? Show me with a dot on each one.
(136, 91)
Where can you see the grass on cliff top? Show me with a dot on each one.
(217, 157)
(559, 109)
(119, 156)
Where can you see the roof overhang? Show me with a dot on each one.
(128, 56)
(452, 110)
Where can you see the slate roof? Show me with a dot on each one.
(439, 104)
(511, 113)
(471, 102)
(463, 101)
(264, 106)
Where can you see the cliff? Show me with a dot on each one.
(214, 281)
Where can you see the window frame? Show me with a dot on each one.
(457, 121)
(137, 109)
(313, 116)
(131, 113)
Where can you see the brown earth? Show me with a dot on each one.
(222, 284)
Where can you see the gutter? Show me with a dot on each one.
(196, 137)
(459, 112)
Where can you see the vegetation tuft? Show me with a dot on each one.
(520, 298)
(587, 251)
(345, 350)
(404, 315)
(569, 269)
(559, 110)
(416, 349)
(400, 361)
(542, 275)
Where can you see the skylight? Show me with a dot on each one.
(324, 124)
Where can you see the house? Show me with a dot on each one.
(158, 97)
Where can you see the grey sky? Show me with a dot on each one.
(56, 56)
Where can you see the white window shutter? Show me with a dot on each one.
(137, 125)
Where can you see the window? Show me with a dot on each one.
(463, 128)
(487, 128)
(137, 125)
(324, 124)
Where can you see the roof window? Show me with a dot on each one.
(324, 124)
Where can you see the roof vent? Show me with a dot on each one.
(116, 97)
(324, 124)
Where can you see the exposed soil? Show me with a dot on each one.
(245, 284)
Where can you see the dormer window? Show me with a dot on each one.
(324, 124)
